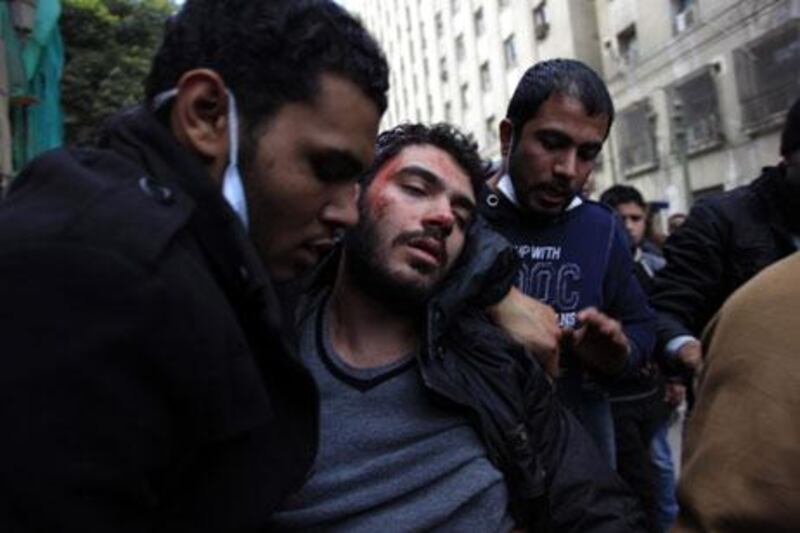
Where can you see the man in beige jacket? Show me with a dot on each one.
(742, 452)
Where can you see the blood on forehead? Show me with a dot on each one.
(376, 199)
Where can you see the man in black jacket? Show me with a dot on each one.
(430, 417)
(145, 383)
(725, 241)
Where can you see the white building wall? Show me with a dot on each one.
(389, 21)
(666, 56)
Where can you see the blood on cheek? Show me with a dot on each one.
(378, 199)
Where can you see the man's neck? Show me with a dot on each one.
(365, 332)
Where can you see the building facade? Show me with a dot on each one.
(701, 89)
(459, 60)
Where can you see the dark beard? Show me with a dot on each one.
(366, 272)
(528, 214)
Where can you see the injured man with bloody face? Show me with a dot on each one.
(430, 416)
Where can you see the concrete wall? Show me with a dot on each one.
(665, 56)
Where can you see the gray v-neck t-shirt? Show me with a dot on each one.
(389, 459)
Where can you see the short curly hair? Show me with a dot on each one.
(269, 52)
(459, 145)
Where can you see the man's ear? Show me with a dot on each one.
(199, 118)
(506, 137)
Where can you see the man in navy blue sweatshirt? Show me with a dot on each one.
(575, 254)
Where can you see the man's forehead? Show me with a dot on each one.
(434, 162)
(630, 206)
(561, 110)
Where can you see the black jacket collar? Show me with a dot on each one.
(138, 135)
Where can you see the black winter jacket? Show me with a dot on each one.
(556, 477)
(725, 241)
(144, 381)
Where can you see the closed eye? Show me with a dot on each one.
(413, 189)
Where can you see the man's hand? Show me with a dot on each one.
(691, 355)
(532, 324)
(674, 394)
(600, 343)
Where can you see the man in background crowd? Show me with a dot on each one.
(641, 402)
(726, 239)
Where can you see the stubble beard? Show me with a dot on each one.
(368, 274)
(527, 204)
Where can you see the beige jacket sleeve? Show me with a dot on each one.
(741, 463)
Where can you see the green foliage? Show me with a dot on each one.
(108, 46)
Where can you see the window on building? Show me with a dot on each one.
(455, 5)
(480, 24)
(425, 68)
(766, 76)
(448, 112)
(464, 92)
(502, 3)
(541, 26)
(695, 114)
(510, 52)
(683, 15)
(628, 45)
(491, 131)
(637, 147)
(443, 69)
(461, 51)
(430, 107)
(437, 22)
(486, 77)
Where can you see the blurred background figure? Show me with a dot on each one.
(741, 457)
(675, 221)
(727, 239)
(642, 402)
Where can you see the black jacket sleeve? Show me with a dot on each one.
(105, 394)
(584, 493)
(691, 287)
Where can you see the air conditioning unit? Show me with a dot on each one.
(684, 19)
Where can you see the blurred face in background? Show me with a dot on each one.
(635, 218)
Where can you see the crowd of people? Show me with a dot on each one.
(244, 309)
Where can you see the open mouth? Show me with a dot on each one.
(433, 249)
